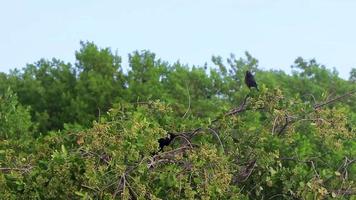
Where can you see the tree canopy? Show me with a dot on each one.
(91, 130)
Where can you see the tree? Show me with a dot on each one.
(15, 120)
(294, 139)
(100, 82)
(48, 87)
(353, 75)
(145, 77)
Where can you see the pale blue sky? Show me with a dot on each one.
(274, 31)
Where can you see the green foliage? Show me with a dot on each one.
(100, 82)
(99, 130)
(47, 87)
(15, 120)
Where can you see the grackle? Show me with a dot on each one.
(250, 80)
(166, 141)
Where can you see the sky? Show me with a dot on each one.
(275, 32)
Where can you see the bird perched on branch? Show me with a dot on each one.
(250, 80)
(166, 140)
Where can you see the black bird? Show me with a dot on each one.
(250, 80)
(166, 141)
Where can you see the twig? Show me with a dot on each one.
(88, 187)
(217, 136)
(333, 100)
(132, 192)
(195, 132)
(188, 101)
(315, 107)
(285, 125)
(313, 166)
(278, 195)
(172, 151)
(165, 156)
(179, 136)
(99, 114)
(121, 183)
(344, 167)
(240, 108)
(234, 111)
(308, 94)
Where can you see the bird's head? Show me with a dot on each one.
(248, 73)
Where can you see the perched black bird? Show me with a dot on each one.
(250, 80)
(166, 141)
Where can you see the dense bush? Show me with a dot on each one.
(91, 131)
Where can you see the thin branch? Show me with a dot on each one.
(333, 100)
(132, 192)
(195, 132)
(172, 151)
(308, 94)
(167, 156)
(285, 125)
(120, 184)
(217, 136)
(313, 166)
(343, 167)
(188, 101)
(99, 114)
(90, 188)
(317, 106)
(185, 139)
(278, 195)
(240, 108)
